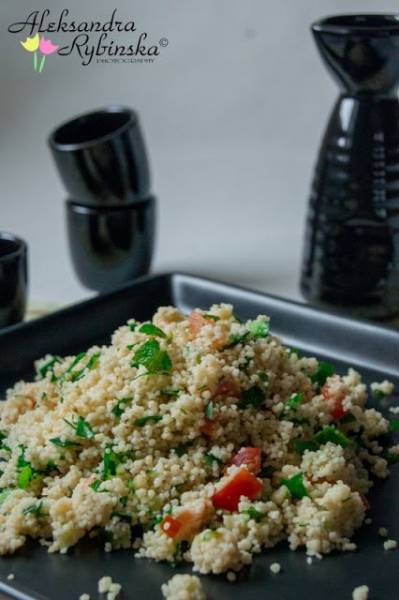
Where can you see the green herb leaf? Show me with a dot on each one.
(295, 351)
(394, 425)
(120, 407)
(111, 460)
(347, 418)
(170, 392)
(4, 495)
(377, 394)
(237, 338)
(151, 329)
(180, 450)
(144, 420)
(324, 371)
(49, 367)
(252, 397)
(92, 363)
(253, 513)
(294, 401)
(150, 356)
(330, 434)
(211, 317)
(25, 476)
(302, 445)
(258, 328)
(83, 429)
(35, 509)
(95, 485)
(263, 376)
(132, 325)
(63, 443)
(296, 486)
(211, 458)
(209, 410)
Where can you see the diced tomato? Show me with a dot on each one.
(171, 526)
(337, 411)
(196, 320)
(250, 457)
(228, 387)
(241, 483)
(208, 427)
(187, 521)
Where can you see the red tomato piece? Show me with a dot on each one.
(228, 387)
(337, 411)
(241, 483)
(250, 457)
(208, 427)
(196, 320)
(171, 526)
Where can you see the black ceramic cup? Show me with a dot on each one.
(101, 157)
(13, 279)
(110, 246)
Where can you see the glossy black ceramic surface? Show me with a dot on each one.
(13, 279)
(101, 157)
(351, 258)
(372, 350)
(110, 246)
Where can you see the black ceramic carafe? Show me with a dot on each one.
(351, 257)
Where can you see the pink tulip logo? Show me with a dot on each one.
(46, 47)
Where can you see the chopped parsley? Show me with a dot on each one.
(295, 486)
(48, 367)
(25, 470)
(263, 376)
(237, 338)
(209, 410)
(35, 509)
(95, 485)
(120, 406)
(180, 450)
(4, 494)
(253, 513)
(63, 443)
(254, 396)
(211, 458)
(377, 394)
(150, 356)
(170, 392)
(111, 460)
(347, 418)
(81, 428)
(258, 328)
(302, 445)
(132, 325)
(329, 433)
(151, 329)
(324, 371)
(91, 364)
(394, 425)
(211, 317)
(147, 419)
(294, 401)
(295, 351)
(3, 446)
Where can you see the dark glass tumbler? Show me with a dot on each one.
(110, 246)
(101, 157)
(13, 279)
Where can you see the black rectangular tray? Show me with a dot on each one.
(371, 349)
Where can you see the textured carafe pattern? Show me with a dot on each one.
(351, 256)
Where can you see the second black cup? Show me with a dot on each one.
(110, 246)
(101, 157)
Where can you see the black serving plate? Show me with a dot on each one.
(373, 350)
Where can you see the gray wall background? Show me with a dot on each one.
(233, 111)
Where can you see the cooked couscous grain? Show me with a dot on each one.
(183, 587)
(390, 545)
(383, 531)
(275, 568)
(84, 597)
(11, 577)
(360, 593)
(207, 433)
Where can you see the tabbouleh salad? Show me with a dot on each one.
(199, 439)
